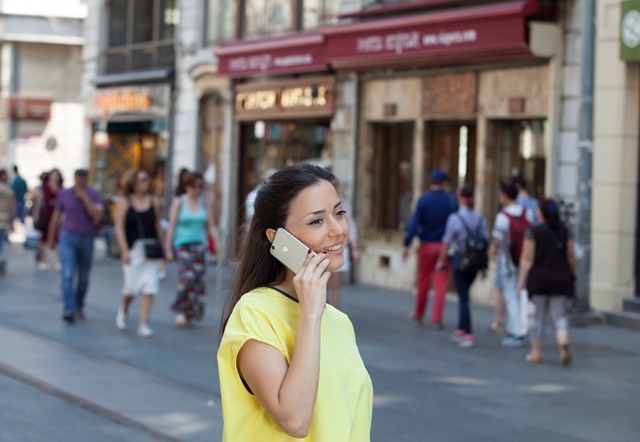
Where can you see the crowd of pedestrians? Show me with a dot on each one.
(68, 221)
(531, 248)
(533, 251)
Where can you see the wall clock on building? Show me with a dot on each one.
(631, 29)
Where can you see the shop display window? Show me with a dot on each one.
(522, 152)
(392, 176)
(276, 144)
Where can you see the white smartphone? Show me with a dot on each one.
(289, 250)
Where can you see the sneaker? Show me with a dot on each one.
(466, 341)
(68, 318)
(43, 266)
(513, 341)
(121, 319)
(80, 314)
(437, 325)
(415, 321)
(456, 336)
(181, 320)
(144, 331)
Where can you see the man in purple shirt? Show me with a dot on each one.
(81, 209)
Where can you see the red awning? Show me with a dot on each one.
(462, 35)
(294, 53)
(484, 33)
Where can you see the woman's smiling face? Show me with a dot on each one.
(317, 219)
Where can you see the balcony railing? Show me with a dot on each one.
(134, 57)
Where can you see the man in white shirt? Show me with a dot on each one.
(500, 250)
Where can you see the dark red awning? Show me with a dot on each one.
(294, 53)
(458, 35)
(462, 35)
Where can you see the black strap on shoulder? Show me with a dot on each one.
(553, 236)
(466, 226)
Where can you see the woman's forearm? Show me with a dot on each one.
(299, 389)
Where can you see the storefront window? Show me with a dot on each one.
(450, 146)
(221, 20)
(276, 144)
(392, 178)
(267, 17)
(521, 149)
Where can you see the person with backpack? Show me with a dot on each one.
(524, 198)
(548, 271)
(467, 235)
(428, 222)
(509, 229)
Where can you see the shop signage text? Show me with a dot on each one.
(123, 102)
(21, 108)
(130, 103)
(399, 42)
(278, 100)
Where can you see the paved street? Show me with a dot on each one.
(90, 382)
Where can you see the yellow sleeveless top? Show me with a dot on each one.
(345, 393)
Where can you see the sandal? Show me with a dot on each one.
(531, 359)
(565, 355)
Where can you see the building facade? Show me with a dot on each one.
(615, 252)
(383, 94)
(40, 77)
(474, 88)
(128, 89)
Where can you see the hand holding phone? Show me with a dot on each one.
(289, 250)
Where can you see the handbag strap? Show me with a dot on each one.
(466, 227)
(138, 219)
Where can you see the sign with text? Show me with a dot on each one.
(281, 100)
(487, 29)
(22, 108)
(141, 102)
(279, 56)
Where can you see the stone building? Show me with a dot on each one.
(40, 77)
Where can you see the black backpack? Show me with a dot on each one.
(474, 257)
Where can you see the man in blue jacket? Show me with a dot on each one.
(428, 223)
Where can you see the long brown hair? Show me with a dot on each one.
(257, 268)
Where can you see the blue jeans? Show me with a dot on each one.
(20, 211)
(3, 238)
(76, 253)
(463, 281)
(108, 234)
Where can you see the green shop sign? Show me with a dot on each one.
(630, 30)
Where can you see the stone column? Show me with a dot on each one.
(615, 165)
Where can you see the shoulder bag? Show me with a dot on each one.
(152, 247)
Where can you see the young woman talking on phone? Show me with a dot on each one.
(288, 363)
